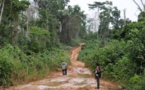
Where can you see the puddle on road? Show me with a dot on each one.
(59, 79)
(28, 85)
(76, 80)
(43, 87)
(80, 70)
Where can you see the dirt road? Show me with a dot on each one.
(78, 78)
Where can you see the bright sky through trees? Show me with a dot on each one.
(129, 5)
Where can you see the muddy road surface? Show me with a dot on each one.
(78, 78)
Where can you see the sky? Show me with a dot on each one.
(131, 9)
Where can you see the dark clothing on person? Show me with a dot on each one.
(64, 71)
(64, 68)
(98, 75)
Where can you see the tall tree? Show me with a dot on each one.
(50, 14)
(29, 15)
(73, 23)
(2, 3)
(11, 18)
(141, 7)
(109, 15)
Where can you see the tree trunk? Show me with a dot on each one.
(124, 11)
(143, 5)
(15, 32)
(2, 8)
(139, 7)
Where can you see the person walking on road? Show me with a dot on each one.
(98, 72)
(64, 68)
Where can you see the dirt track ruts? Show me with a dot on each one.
(78, 78)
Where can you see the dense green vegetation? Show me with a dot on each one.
(122, 53)
(17, 66)
(36, 36)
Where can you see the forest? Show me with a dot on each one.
(36, 36)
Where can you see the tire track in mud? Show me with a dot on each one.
(78, 78)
